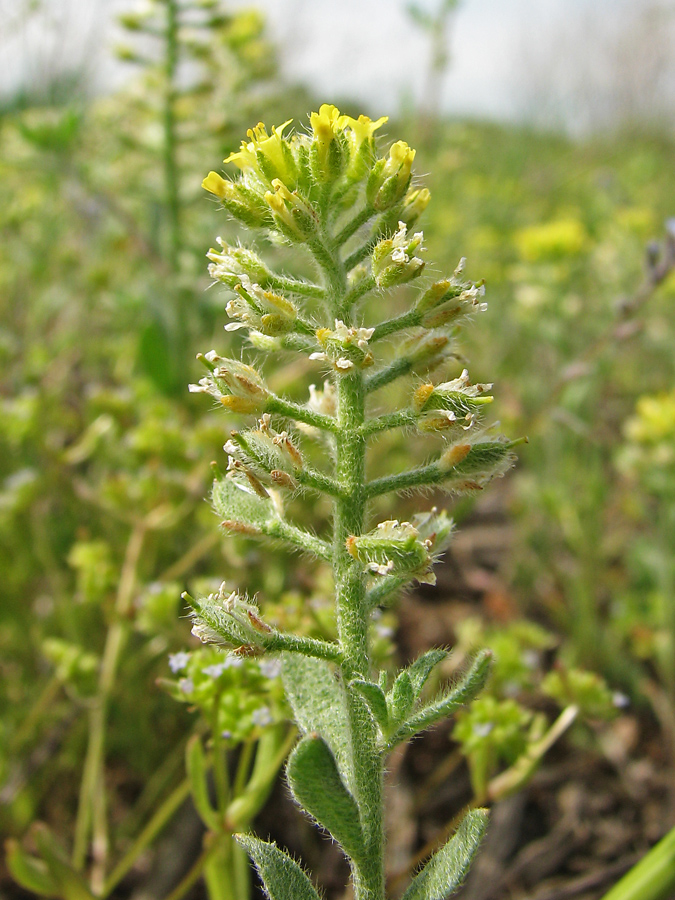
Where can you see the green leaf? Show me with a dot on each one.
(195, 763)
(447, 703)
(71, 884)
(420, 670)
(155, 355)
(319, 705)
(401, 697)
(317, 786)
(377, 702)
(447, 868)
(282, 876)
(29, 871)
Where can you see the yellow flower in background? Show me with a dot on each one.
(552, 240)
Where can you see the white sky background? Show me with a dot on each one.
(570, 61)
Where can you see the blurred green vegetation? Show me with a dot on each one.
(104, 456)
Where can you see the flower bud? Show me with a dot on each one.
(261, 310)
(390, 178)
(450, 299)
(293, 215)
(414, 204)
(394, 547)
(267, 449)
(265, 342)
(329, 151)
(226, 618)
(229, 263)
(393, 261)
(453, 402)
(360, 133)
(266, 156)
(477, 463)
(241, 202)
(237, 386)
(346, 347)
(426, 349)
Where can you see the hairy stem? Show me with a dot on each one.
(352, 614)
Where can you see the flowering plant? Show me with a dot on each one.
(331, 196)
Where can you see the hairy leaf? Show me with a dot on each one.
(447, 868)
(317, 786)
(376, 700)
(447, 703)
(319, 705)
(420, 670)
(282, 877)
(401, 697)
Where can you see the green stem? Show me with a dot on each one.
(195, 872)
(409, 319)
(162, 816)
(352, 617)
(282, 642)
(653, 878)
(220, 773)
(290, 410)
(360, 289)
(243, 768)
(90, 811)
(284, 531)
(383, 590)
(415, 478)
(170, 140)
(404, 419)
(353, 226)
(390, 373)
(294, 286)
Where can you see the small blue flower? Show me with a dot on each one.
(261, 716)
(215, 671)
(186, 685)
(178, 661)
(270, 668)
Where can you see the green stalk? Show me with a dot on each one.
(170, 140)
(653, 878)
(352, 616)
(91, 818)
(162, 816)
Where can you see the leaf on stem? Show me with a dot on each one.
(376, 702)
(448, 702)
(317, 786)
(281, 876)
(51, 874)
(319, 705)
(447, 868)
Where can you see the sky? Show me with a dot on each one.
(508, 57)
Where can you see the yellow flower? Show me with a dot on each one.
(215, 184)
(274, 148)
(327, 123)
(363, 128)
(400, 160)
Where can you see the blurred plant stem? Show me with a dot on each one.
(91, 815)
(91, 827)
